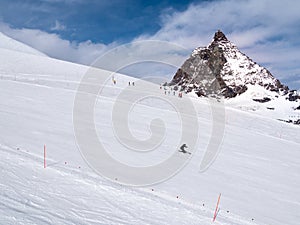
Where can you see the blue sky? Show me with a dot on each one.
(102, 21)
(82, 30)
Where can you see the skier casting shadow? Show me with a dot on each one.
(182, 149)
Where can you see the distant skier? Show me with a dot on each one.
(129, 83)
(132, 83)
(182, 149)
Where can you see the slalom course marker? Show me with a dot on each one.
(217, 208)
(45, 157)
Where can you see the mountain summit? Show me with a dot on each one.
(220, 69)
(220, 36)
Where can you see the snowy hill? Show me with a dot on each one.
(256, 170)
(11, 44)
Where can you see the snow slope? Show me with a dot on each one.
(257, 169)
(11, 44)
(277, 108)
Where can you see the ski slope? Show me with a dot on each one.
(256, 170)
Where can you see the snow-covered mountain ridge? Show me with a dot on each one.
(222, 70)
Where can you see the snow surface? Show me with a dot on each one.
(11, 44)
(257, 170)
(277, 108)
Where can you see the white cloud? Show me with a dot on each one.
(54, 46)
(246, 22)
(58, 26)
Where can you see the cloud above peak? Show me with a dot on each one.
(258, 20)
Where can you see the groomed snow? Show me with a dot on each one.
(257, 169)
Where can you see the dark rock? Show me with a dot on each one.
(206, 74)
(293, 96)
(201, 93)
(296, 122)
(228, 92)
(240, 89)
(220, 36)
(265, 99)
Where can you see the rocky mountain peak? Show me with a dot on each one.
(220, 36)
(220, 69)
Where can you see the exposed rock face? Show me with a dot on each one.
(265, 99)
(293, 96)
(220, 69)
(296, 122)
(202, 68)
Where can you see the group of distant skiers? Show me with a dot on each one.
(115, 82)
(171, 90)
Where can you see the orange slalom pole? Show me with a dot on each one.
(217, 207)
